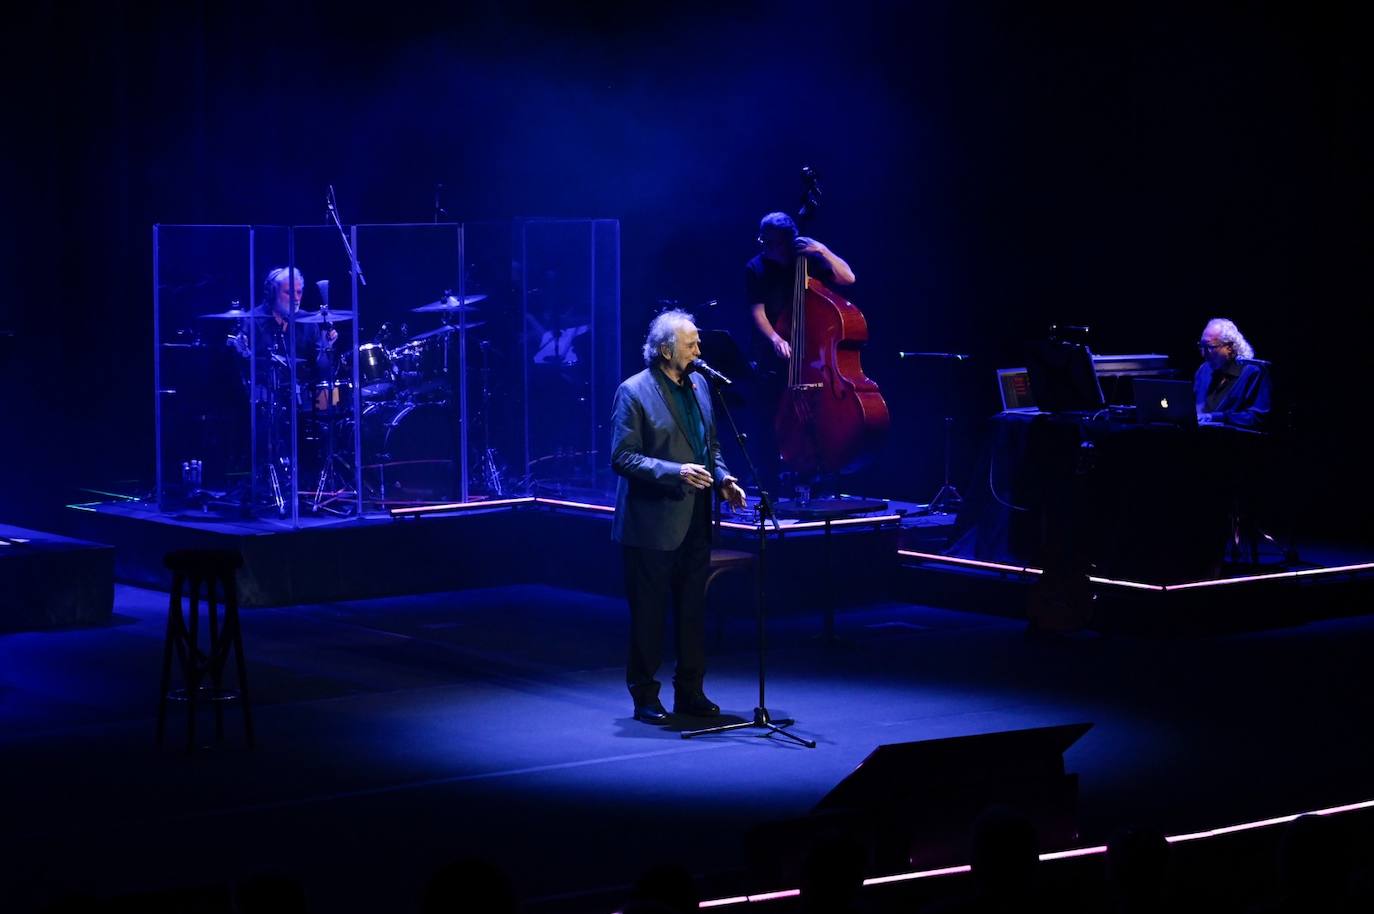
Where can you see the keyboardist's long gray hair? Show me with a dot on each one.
(663, 332)
(1230, 333)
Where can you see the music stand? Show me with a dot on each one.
(720, 349)
(1063, 378)
(947, 499)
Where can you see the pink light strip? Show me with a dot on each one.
(975, 563)
(1076, 852)
(1274, 576)
(575, 504)
(774, 896)
(919, 874)
(1134, 585)
(816, 524)
(1057, 855)
(846, 522)
(1137, 585)
(461, 506)
(1265, 823)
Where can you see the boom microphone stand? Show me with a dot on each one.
(762, 719)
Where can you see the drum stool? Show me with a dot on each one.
(202, 672)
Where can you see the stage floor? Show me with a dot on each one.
(398, 733)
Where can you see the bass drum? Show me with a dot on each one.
(410, 453)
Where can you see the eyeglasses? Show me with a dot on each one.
(1204, 346)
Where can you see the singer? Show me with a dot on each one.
(666, 453)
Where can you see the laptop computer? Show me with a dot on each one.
(1169, 402)
(1014, 385)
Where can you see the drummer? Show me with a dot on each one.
(281, 300)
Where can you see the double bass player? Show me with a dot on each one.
(768, 283)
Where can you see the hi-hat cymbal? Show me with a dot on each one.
(451, 303)
(447, 328)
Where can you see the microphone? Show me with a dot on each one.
(952, 356)
(711, 374)
(323, 286)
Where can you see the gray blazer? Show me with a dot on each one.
(649, 445)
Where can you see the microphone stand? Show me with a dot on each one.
(354, 266)
(762, 719)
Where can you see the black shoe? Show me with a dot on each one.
(653, 713)
(695, 704)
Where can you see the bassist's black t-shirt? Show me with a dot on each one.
(770, 282)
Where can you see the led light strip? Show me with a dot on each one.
(1276, 575)
(815, 524)
(586, 506)
(1137, 585)
(1053, 855)
(972, 563)
(460, 506)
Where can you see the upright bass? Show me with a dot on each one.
(832, 416)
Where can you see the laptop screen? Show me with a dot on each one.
(1165, 401)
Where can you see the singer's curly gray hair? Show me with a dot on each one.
(663, 332)
(1228, 332)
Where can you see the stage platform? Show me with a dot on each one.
(1332, 581)
(815, 565)
(48, 580)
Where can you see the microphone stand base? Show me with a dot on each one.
(762, 721)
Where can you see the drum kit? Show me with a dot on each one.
(408, 409)
(416, 369)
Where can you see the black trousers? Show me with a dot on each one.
(656, 580)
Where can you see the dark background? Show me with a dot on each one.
(988, 169)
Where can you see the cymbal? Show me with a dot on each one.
(451, 303)
(235, 314)
(300, 317)
(448, 328)
(318, 317)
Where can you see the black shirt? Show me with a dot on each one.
(271, 338)
(770, 282)
(1220, 383)
(686, 396)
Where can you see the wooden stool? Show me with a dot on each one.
(202, 672)
(722, 561)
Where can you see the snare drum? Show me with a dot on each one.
(375, 371)
(332, 396)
